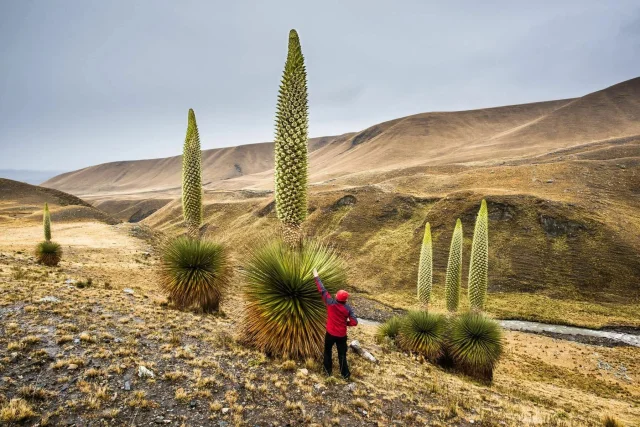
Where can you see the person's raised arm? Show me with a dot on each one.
(326, 296)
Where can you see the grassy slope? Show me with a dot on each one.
(201, 368)
(564, 234)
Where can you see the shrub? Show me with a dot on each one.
(15, 411)
(475, 343)
(425, 268)
(194, 272)
(389, 329)
(192, 178)
(454, 269)
(479, 265)
(423, 333)
(290, 145)
(285, 314)
(48, 253)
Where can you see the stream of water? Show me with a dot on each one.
(536, 327)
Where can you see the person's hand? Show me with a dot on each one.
(315, 273)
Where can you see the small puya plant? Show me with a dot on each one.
(47, 252)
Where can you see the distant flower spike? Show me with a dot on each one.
(479, 265)
(292, 133)
(46, 220)
(192, 178)
(454, 269)
(425, 269)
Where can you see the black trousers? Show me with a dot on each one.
(341, 343)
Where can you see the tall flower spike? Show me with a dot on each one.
(479, 265)
(46, 222)
(192, 178)
(425, 268)
(454, 269)
(292, 133)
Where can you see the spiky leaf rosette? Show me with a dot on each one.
(285, 314)
(476, 344)
(46, 222)
(425, 268)
(389, 329)
(292, 133)
(48, 253)
(479, 265)
(192, 178)
(194, 272)
(454, 269)
(423, 333)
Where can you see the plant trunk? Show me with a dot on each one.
(292, 234)
(193, 231)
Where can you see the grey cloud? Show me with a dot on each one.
(84, 82)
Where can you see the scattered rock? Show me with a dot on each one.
(128, 291)
(549, 181)
(72, 367)
(76, 340)
(143, 372)
(347, 200)
(555, 227)
(49, 298)
(69, 281)
(304, 371)
(225, 410)
(127, 385)
(351, 387)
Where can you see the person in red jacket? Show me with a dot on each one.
(339, 316)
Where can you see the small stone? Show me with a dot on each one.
(143, 372)
(128, 291)
(72, 367)
(76, 340)
(225, 410)
(549, 181)
(49, 298)
(193, 404)
(304, 371)
(127, 385)
(350, 387)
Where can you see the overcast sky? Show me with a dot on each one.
(85, 82)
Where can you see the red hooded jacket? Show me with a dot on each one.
(339, 315)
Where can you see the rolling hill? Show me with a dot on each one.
(486, 136)
(562, 180)
(19, 200)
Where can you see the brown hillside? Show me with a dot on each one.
(485, 136)
(19, 200)
(562, 179)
